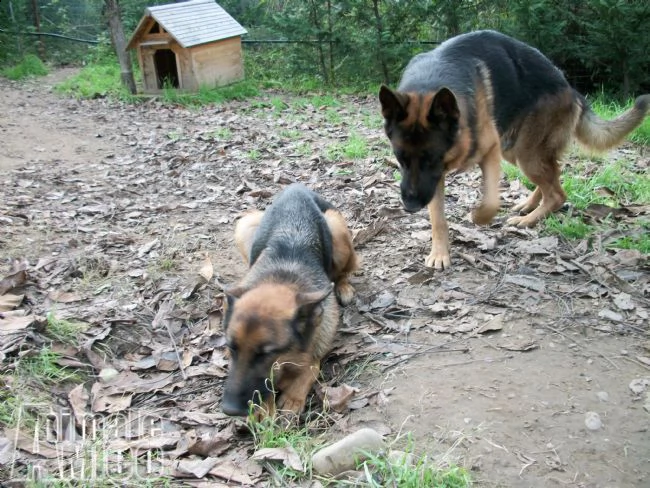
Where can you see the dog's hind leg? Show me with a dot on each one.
(548, 187)
(542, 140)
(439, 256)
(245, 230)
(345, 260)
(530, 204)
(491, 169)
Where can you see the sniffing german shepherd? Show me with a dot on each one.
(478, 98)
(283, 315)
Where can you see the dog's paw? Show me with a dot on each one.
(289, 404)
(525, 207)
(344, 292)
(438, 260)
(484, 214)
(523, 221)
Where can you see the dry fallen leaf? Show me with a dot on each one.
(9, 301)
(207, 270)
(12, 281)
(287, 455)
(338, 397)
(13, 323)
(196, 467)
(64, 296)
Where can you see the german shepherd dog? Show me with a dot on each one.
(281, 319)
(478, 98)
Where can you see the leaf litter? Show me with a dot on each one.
(138, 244)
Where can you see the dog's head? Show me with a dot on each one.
(261, 324)
(422, 128)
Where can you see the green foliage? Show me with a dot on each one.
(30, 66)
(601, 41)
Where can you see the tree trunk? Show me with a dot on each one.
(119, 43)
(379, 29)
(37, 25)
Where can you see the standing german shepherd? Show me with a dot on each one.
(283, 315)
(476, 99)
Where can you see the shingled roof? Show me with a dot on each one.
(192, 23)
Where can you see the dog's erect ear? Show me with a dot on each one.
(309, 303)
(232, 295)
(313, 298)
(393, 104)
(235, 291)
(444, 107)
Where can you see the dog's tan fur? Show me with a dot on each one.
(534, 138)
(265, 307)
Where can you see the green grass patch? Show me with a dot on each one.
(512, 172)
(638, 239)
(354, 148)
(614, 184)
(608, 109)
(207, 96)
(405, 472)
(96, 80)
(43, 369)
(64, 331)
(568, 226)
(28, 67)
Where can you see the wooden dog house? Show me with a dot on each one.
(188, 45)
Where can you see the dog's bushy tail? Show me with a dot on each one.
(599, 135)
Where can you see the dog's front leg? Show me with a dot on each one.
(296, 384)
(439, 257)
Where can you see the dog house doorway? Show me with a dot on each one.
(166, 69)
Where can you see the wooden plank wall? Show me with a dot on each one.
(218, 63)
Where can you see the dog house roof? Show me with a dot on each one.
(191, 23)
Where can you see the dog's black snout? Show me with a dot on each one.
(411, 202)
(234, 408)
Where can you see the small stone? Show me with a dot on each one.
(343, 455)
(639, 385)
(400, 458)
(624, 352)
(608, 314)
(592, 421)
(107, 374)
(603, 396)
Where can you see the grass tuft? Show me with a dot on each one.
(44, 369)
(29, 66)
(96, 80)
(206, 96)
(64, 331)
(404, 470)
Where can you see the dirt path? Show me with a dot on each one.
(494, 364)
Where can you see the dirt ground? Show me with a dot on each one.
(495, 364)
